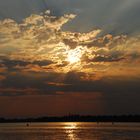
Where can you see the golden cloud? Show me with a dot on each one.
(40, 38)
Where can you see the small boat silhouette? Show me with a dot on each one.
(27, 124)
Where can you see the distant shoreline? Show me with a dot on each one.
(77, 118)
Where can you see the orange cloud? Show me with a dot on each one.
(38, 44)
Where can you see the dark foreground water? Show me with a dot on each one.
(70, 131)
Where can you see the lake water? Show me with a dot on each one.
(70, 131)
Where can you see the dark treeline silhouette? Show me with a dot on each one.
(76, 118)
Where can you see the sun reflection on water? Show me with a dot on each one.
(70, 125)
(70, 129)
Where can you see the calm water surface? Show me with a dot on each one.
(70, 131)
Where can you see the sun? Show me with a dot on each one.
(74, 56)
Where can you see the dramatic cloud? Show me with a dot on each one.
(39, 58)
(39, 42)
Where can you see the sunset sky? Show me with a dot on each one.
(60, 57)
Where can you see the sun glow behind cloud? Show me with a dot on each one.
(39, 45)
(75, 72)
(74, 56)
(39, 39)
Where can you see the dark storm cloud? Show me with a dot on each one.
(106, 59)
(120, 94)
(12, 63)
(47, 83)
(111, 15)
(107, 85)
